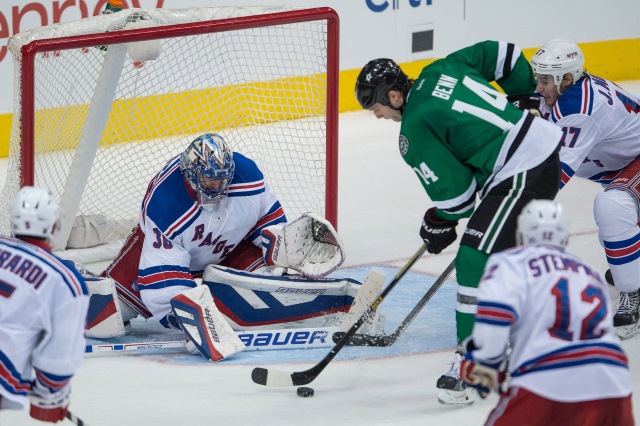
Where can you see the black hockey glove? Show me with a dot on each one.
(526, 102)
(438, 234)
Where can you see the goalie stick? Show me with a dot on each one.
(289, 338)
(267, 377)
(120, 347)
(390, 339)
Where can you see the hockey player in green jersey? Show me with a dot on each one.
(466, 141)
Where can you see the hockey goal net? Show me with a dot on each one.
(100, 104)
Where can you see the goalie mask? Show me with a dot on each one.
(34, 213)
(208, 166)
(557, 58)
(375, 81)
(543, 222)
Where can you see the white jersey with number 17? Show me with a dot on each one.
(601, 129)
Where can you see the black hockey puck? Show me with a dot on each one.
(608, 277)
(305, 392)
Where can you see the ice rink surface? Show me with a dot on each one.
(381, 204)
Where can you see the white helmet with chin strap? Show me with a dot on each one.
(34, 213)
(543, 222)
(557, 58)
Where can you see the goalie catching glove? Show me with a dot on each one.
(309, 245)
(437, 234)
(482, 376)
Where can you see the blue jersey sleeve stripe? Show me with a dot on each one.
(566, 174)
(168, 283)
(587, 97)
(160, 269)
(185, 222)
(53, 382)
(276, 215)
(580, 354)
(10, 379)
(246, 193)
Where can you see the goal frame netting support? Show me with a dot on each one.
(29, 51)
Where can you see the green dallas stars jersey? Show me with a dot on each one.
(461, 136)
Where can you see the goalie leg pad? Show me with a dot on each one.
(124, 271)
(309, 245)
(202, 322)
(252, 300)
(104, 318)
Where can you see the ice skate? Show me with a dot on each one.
(454, 391)
(626, 317)
(628, 331)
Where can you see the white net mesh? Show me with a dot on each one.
(263, 88)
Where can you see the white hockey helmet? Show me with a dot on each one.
(557, 58)
(543, 222)
(34, 213)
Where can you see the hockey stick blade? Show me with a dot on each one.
(268, 377)
(367, 340)
(390, 339)
(265, 377)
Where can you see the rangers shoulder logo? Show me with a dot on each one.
(404, 145)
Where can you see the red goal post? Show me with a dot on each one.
(100, 104)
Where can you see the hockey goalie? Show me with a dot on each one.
(210, 214)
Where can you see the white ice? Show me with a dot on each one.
(380, 206)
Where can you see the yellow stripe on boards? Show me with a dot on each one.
(614, 60)
(5, 134)
(194, 111)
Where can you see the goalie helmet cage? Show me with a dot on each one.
(95, 119)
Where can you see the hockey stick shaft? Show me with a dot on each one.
(75, 419)
(263, 376)
(388, 340)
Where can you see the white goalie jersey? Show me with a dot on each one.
(555, 310)
(181, 239)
